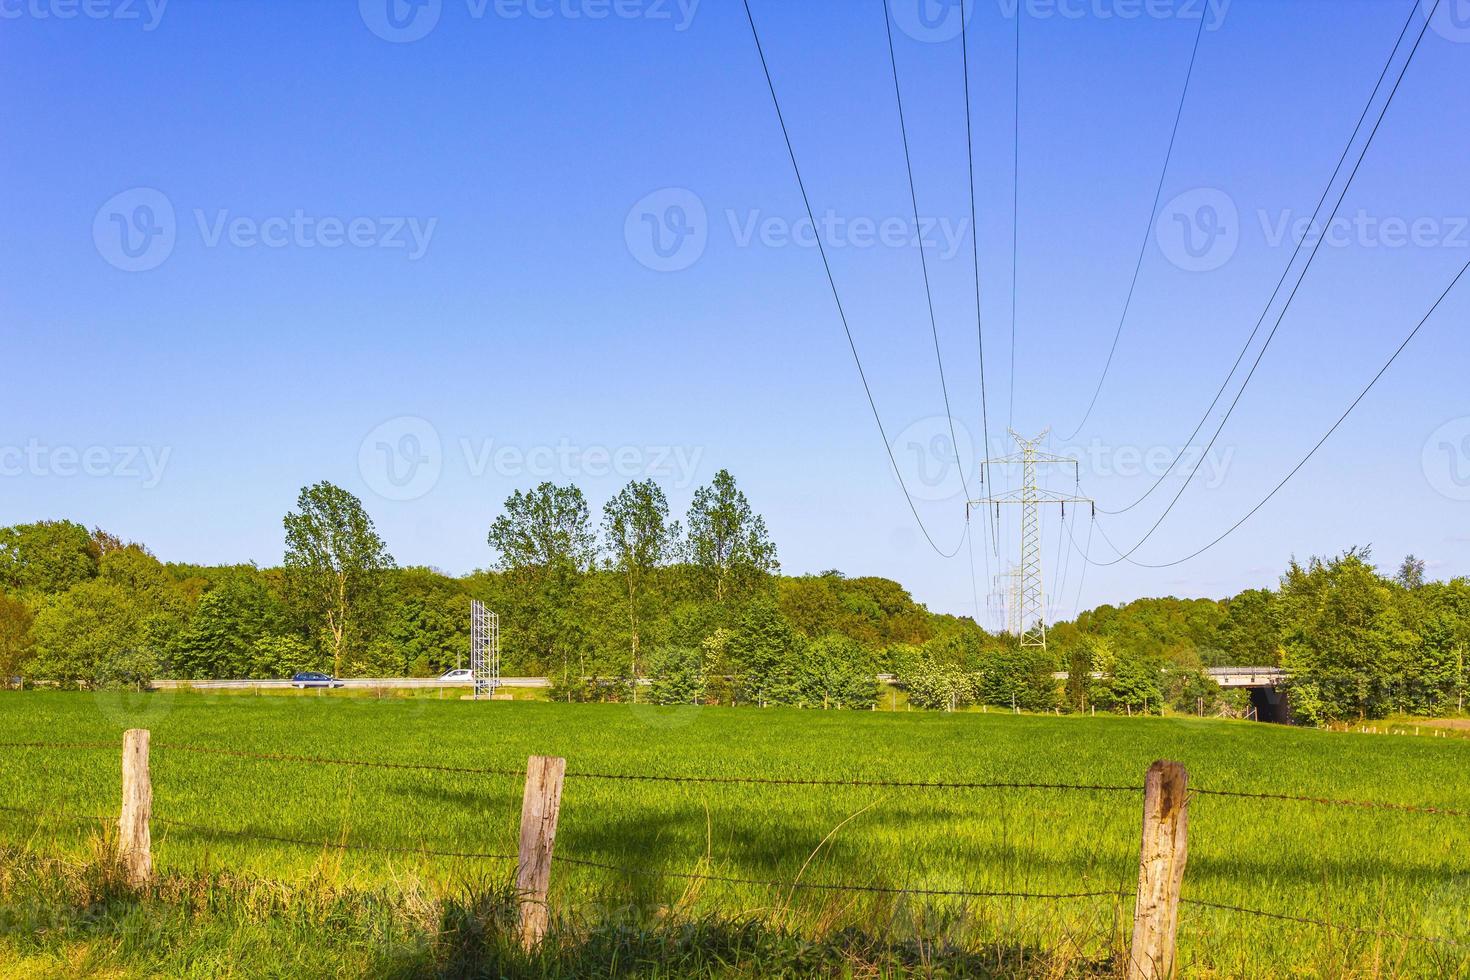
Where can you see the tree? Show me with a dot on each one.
(728, 543)
(233, 625)
(46, 557)
(678, 676)
(1411, 573)
(335, 564)
(94, 634)
(836, 672)
(16, 642)
(544, 544)
(762, 650)
(635, 525)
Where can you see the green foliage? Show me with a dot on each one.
(640, 540)
(17, 645)
(335, 564)
(46, 557)
(835, 672)
(1351, 644)
(94, 634)
(544, 545)
(728, 547)
(762, 655)
(678, 676)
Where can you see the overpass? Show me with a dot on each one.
(1265, 684)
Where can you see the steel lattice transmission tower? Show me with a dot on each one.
(1028, 618)
(1007, 596)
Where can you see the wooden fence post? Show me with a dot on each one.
(134, 838)
(1161, 861)
(540, 808)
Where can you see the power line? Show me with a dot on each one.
(1312, 452)
(1015, 216)
(923, 260)
(1290, 297)
(1148, 229)
(837, 299)
(1301, 242)
(975, 250)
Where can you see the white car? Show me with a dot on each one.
(460, 674)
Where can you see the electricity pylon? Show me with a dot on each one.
(1008, 598)
(1029, 620)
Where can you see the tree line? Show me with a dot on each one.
(700, 610)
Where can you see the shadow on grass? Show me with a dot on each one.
(62, 918)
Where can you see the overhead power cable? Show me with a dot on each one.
(1285, 307)
(837, 299)
(1015, 216)
(1301, 243)
(908, 163)
(1147, 231)
(975, 250)
(1303, 462)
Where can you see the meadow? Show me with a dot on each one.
(1371, 869)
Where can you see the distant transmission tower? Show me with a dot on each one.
(1027, 614)
(1007, 599)
(484, 650)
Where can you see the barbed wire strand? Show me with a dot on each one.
(761, 780)
(324, 761)
(834, 886)
(334, 845)
(1324, 924)
(756, 882)
(1328, 801)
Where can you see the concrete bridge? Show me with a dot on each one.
(1265, 684)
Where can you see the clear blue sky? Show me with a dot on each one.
(181, 389)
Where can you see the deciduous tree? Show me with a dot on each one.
(335, 564)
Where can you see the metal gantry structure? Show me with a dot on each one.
(484, 649)
(1026, 616)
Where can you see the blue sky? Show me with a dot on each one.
(415, 255)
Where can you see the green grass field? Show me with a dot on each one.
(1378, 869)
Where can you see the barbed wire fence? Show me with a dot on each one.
(1156, 901)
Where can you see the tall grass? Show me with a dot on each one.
(1389, 871)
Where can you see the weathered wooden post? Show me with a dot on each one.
(134, 838)
(540, 808)
(1161, 859)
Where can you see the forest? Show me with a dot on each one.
(700, 609)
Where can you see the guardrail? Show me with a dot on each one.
(360, 683)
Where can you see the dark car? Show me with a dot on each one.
(313, 679)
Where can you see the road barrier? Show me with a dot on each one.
(1163, 846)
